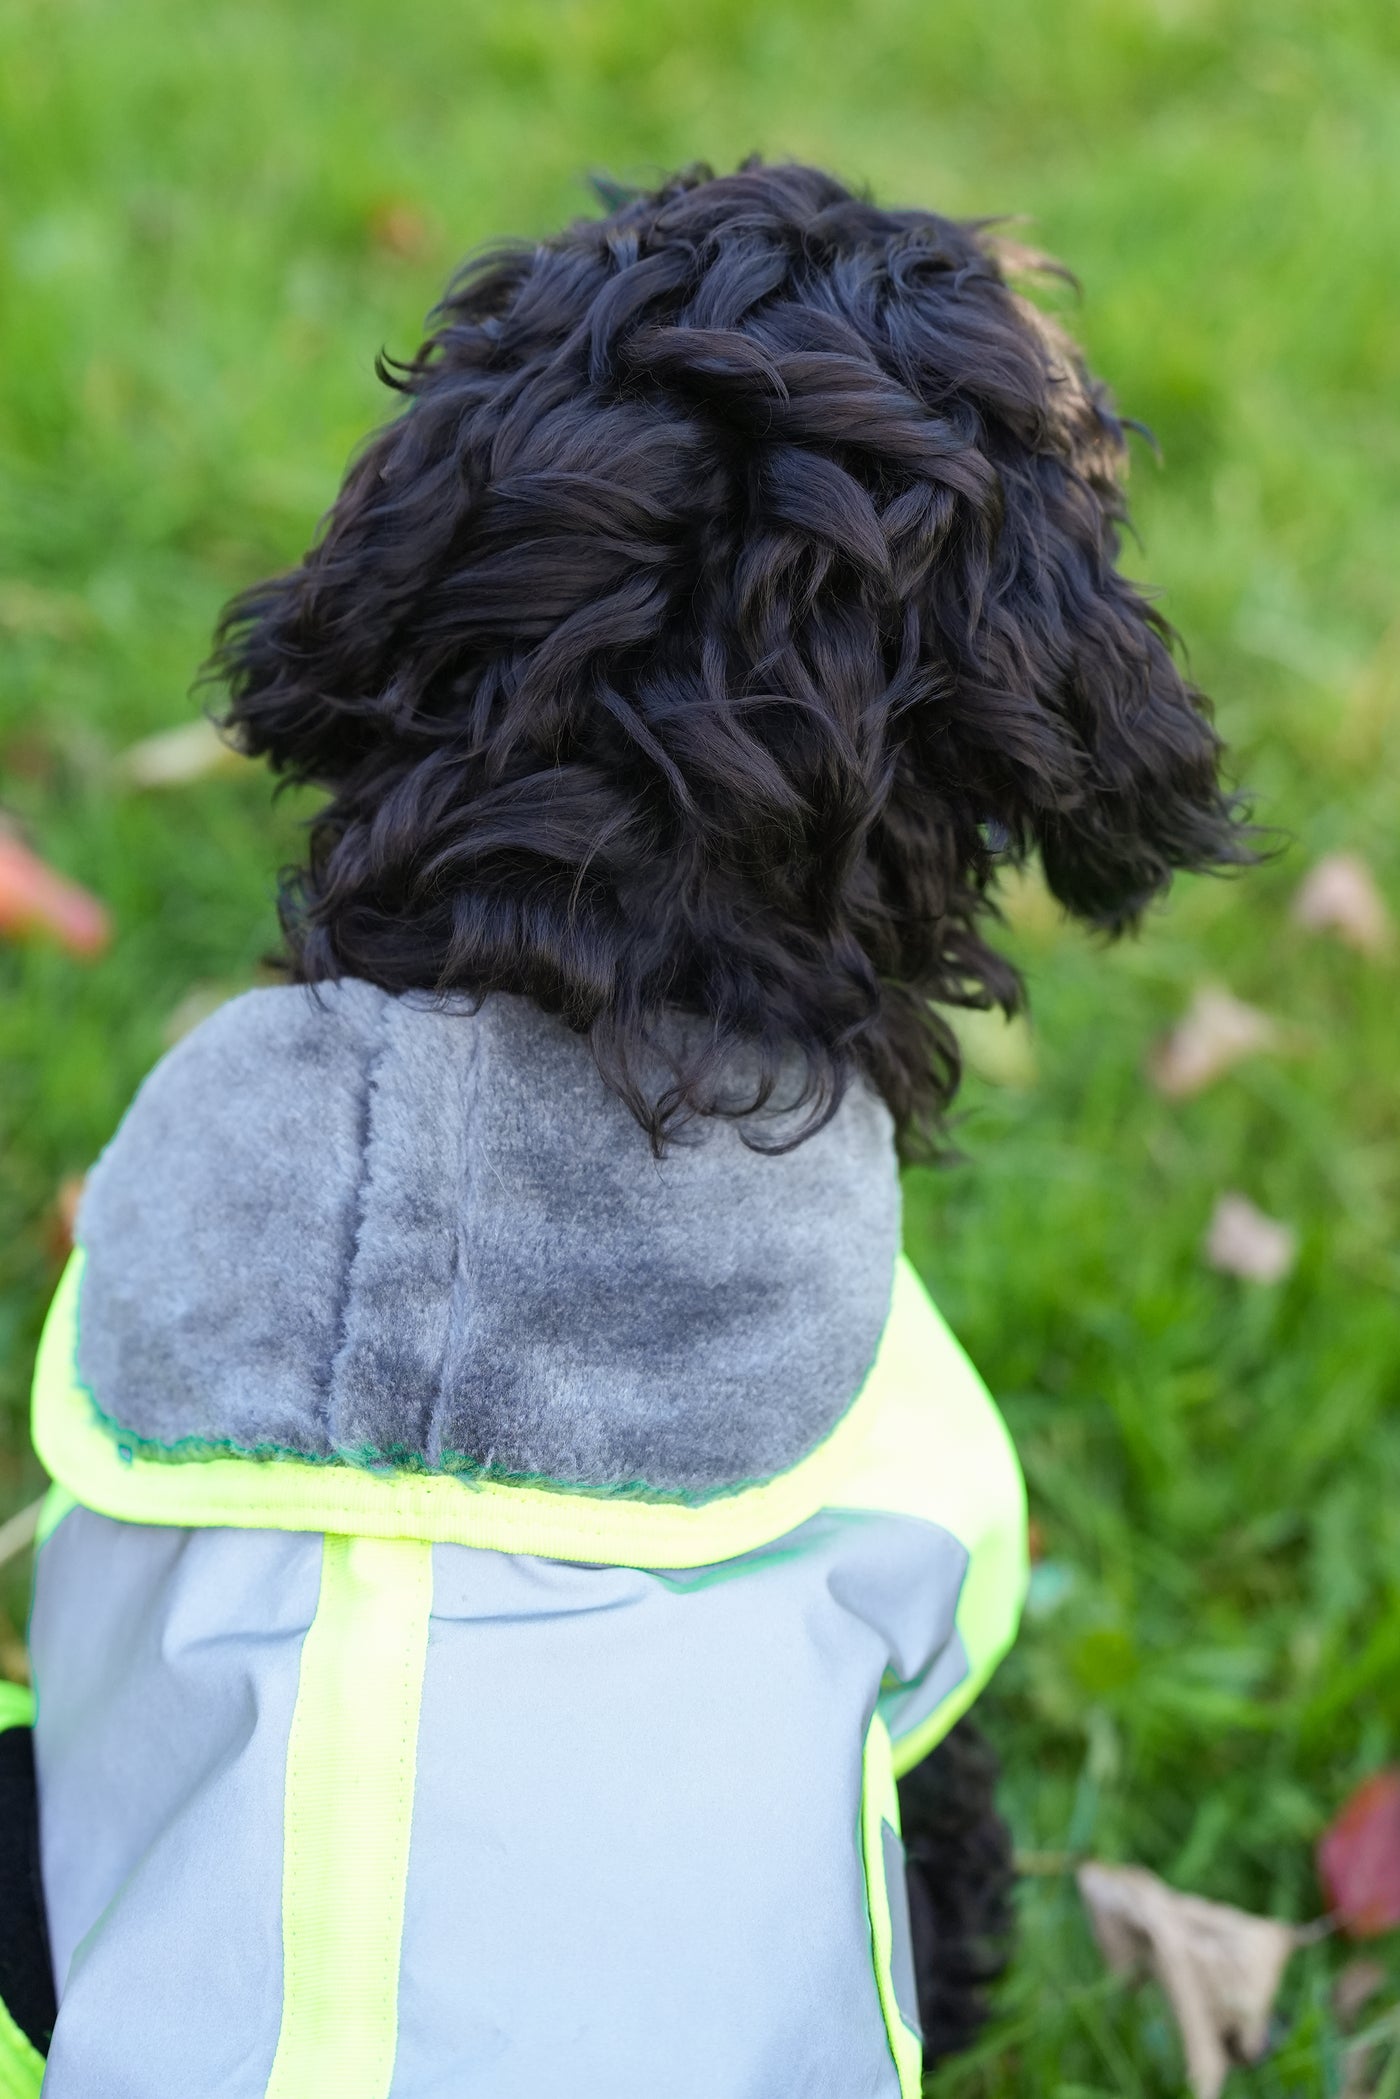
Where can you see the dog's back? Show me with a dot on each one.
(382, 1754)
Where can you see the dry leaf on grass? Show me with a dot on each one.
(1242, 1241)
(33, 899)
(1358, 1858)
(398, 228)
(1220, 1967)
(175, 757)
(1216, 1033)
(1340, 896)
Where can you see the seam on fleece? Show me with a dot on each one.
(374, 1054)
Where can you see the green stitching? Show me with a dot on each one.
(400, 1458)
(922, 1439)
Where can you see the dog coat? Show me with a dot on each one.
(492, 1579)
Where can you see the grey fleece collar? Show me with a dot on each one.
(348, 1226)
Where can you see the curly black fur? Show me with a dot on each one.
(738, 583)
(960, 1878)
(26, 1968)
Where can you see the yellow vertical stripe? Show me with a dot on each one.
(349, 1808)
(879, 1803)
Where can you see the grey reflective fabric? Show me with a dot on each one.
(906, 1705)
(906, 1994)
(636, 1862)
(359, 1225)
(166, 1664)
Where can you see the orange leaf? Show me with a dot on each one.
(1358, 1858)
(33, 899)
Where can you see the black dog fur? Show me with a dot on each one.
(26, 1970)
(735, 593)
(961, 1879)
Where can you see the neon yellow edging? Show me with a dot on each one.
(879, 1803)
(922, 1439)
(84, 1456)
(349, 1808)
(16, 1705)
(57, 1503)
(21, 2065)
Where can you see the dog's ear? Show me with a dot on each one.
(1067, 705)
(1147, 799)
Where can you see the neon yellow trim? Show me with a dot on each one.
(16, 1706)
(879, 1802)
(21, 2065)
(349, 1806)
(937, 1448)
(57, 1502)
(922, 1415)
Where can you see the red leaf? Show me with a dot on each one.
(1358, 1858)
(33, 899)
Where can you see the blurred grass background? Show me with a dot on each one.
(211, 219)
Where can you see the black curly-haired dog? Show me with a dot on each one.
(735, 594)
(737, 591)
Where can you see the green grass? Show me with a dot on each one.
(193, 282)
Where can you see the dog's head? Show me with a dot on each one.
(735, 589)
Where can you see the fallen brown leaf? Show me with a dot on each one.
(1219, 1967)
(1217, 1032)
(1358, 1858)
(175, 757)
(1340, 896)
(1242, 1241)
(34, 899)
(400, 229)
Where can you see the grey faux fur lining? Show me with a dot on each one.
(348, 1226)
